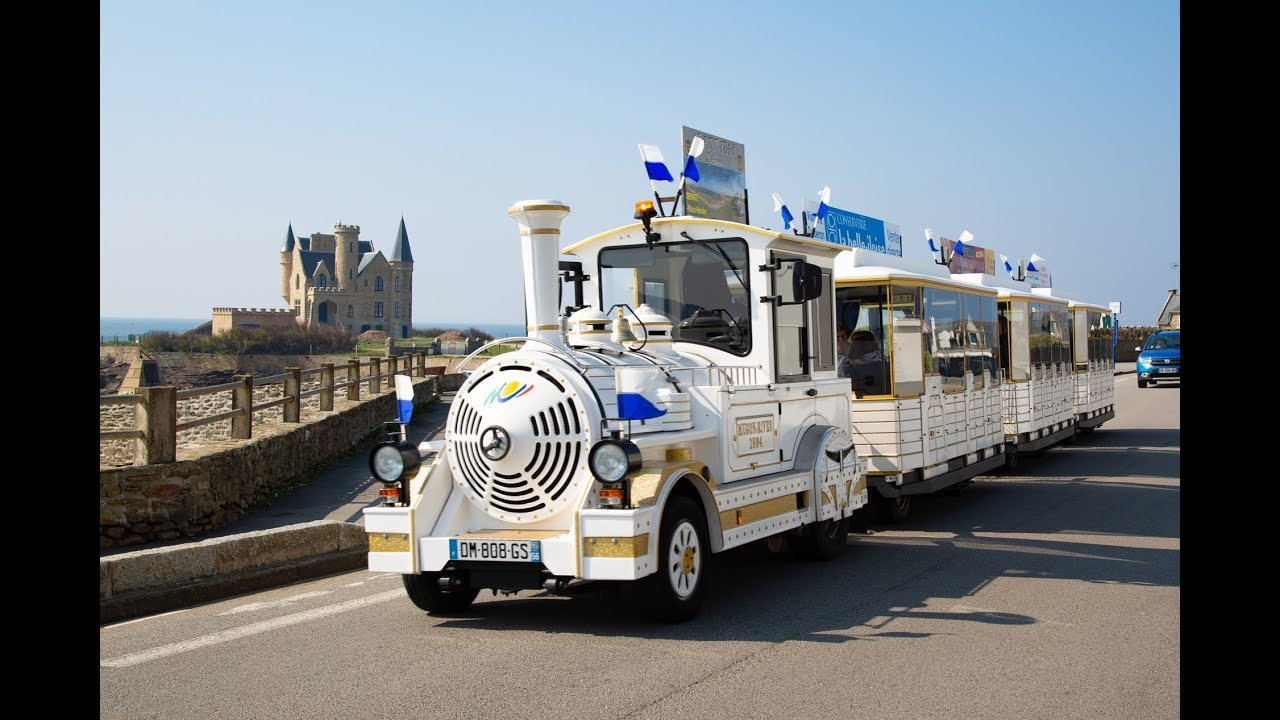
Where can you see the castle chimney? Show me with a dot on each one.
(539, 222)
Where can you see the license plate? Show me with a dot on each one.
(496, 550)
(1167, 370)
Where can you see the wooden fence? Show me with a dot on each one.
(156, 426)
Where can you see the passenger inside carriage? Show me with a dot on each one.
(863, 363)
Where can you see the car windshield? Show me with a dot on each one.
(1163, 342)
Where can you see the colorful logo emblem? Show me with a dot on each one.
(508, 391)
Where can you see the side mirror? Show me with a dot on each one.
(798, 281)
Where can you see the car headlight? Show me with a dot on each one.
(391, 461)
(610, 460)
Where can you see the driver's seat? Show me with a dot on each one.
(708, 304)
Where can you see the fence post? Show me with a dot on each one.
(422, 363)
(375, 376)
(326, 385)
(242, 399)
(157, 416)
(292, 394)
(353, 379)
(393, 363)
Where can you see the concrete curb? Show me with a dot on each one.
(157, 580)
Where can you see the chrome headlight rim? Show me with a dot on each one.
(391, 461)
(611, 459)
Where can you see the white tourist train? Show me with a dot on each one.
(714, 384)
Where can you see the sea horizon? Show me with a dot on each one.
(111, 327)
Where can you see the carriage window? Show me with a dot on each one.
(944, 337)
(862, 315)
(1049, 338)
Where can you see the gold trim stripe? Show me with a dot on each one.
(388, 542)
(756, 512)
(615, 547)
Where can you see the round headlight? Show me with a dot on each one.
(388, 461)
(611, 460)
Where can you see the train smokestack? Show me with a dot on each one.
(539, 222)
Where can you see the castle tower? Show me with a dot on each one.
(346, 255)
(286, 264)
(402, 270)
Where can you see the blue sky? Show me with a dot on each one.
(1040, 127)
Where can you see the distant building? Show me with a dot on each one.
(337, 280)
(453, 342)
(1171, 314)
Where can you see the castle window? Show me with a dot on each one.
(377, 284)
(297, 307)
(351, 311)
(351, 274)
(377, 309)
(321, 281)
(297, 281)
(351, 247)
(397, 310)
(397, 286)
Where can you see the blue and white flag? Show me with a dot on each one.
(779, 206)
(824, 197)
(695, 149)
(638, 392)
(1031, 264)
(928, 235)
(404, 398)
(653, 164)
(1007, 267)
(965, 236)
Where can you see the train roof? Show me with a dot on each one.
(868, 265)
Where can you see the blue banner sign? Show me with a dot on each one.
(842, 227)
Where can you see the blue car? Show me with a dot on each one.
(1160, 358)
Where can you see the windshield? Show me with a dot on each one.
(702, 286)
(1164, 341)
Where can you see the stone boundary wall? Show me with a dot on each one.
(139, 504)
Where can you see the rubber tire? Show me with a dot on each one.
(1011, 461)
(825, 540)
(674, 593)
(895, 509)
(424, 590)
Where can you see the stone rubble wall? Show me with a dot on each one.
(215, 479)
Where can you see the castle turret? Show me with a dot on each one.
(286, 263)
(402, 280)
(346, 255)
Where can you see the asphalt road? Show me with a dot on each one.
(1054, 593)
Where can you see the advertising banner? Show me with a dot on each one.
(850, 229)
(720, 192)
(974, 260)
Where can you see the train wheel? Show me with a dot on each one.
(1011, 460)
(675, 591)
(825, 540)
(895, 509)
(424, 590)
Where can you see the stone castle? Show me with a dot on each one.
(337, 280)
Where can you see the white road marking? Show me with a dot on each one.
(275, 603)
(248, 630)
